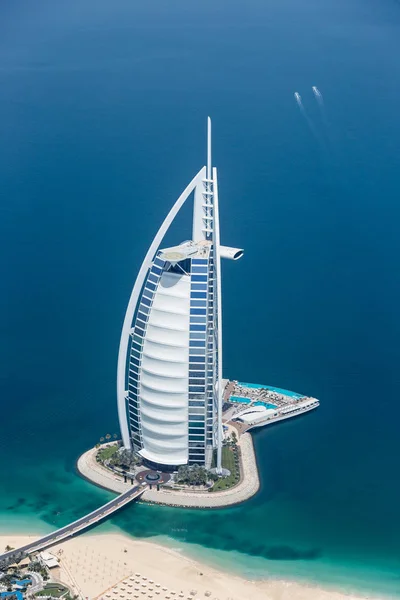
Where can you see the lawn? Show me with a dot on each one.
(228, 462)
(107, 452)
(53, 589)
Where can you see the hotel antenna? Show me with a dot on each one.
(209, 174)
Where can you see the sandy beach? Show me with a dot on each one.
(114, 566)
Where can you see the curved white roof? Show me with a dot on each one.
(254, 414)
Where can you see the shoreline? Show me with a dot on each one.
(94, 563)
(248, 486)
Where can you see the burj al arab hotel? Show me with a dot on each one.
(169, 380)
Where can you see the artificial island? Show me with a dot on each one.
(184, 428)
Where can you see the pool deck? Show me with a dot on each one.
(287, 404)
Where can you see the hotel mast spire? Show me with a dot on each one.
(209, 173)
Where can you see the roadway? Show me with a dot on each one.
(73, 528)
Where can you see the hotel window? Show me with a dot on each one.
(150, 286)
(196, 403)
(147, 294)
(197, 344)
(199, 278)
(196, 411)
(196, 381)
(198, 294)
(195, 374)
(196, 335)
(199, 270)
(197, 328)
(197, 359)
(146, 301)
(144, 309)
(158, 262)
(196, 367)
(198, 303)
(196, 319)
(196, 425)
(200, 350)
(156, 270)
(142, 316)
(198, 311)
(154, 278)
(199, 286)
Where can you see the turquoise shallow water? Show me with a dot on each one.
(103, 110)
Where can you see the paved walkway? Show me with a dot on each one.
(246, 488)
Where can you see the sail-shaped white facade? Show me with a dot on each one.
(170, 357)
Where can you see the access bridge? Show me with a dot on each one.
(73, 528)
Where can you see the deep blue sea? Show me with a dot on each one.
(103, 110)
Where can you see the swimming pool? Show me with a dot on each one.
(240, 399)
(266, 404)
(273, 389)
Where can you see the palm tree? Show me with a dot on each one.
(108, 437)
(101, 439)
(115, 436)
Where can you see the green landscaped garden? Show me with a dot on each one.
(230, 460)
(55, 590)
(107, 452)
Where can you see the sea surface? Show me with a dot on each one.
(103, 110)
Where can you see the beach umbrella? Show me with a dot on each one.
(151, 581)
(137, 574)
(157, 585)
